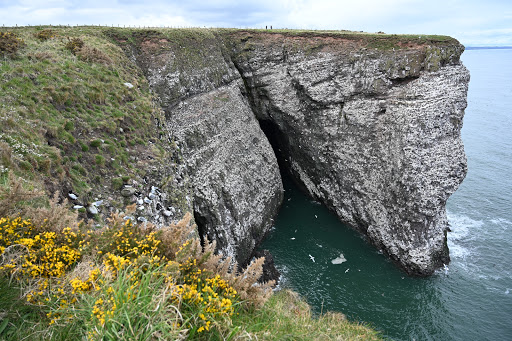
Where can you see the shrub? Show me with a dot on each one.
(74, 45)
(93, 55)
(100, 160)
(45, 34)
(125, 274)
(95, 143)
(10, 43)
(69, 126)
(117, 183)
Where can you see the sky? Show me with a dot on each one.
(472, 22)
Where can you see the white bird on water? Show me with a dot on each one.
(312, 258)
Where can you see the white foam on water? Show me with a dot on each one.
(341, 259)
(462, 229)
(505, 224)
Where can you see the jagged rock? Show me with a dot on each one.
(235, 178)
(374, 135)
(270, 272)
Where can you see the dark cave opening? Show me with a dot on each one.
(284, 152)
(201, 230)
(280, 145)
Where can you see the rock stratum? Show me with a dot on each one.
(371, 131)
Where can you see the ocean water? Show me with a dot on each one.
(471, 299)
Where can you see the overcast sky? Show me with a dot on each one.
(473, 22)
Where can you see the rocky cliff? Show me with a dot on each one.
(369, 125)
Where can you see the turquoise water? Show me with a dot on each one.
(468, 300)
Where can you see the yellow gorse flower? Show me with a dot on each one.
(45, 257)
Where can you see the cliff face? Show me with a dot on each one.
(373, 133)
(236, 187)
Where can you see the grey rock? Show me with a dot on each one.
(127, 191)
(372, 134)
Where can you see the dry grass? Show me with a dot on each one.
(14, 197)
(93, 55)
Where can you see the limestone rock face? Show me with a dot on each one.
(373, 134)
(235, 184)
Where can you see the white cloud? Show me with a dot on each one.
(467, 20)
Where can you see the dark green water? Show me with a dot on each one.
(470, 299)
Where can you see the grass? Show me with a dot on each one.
(54, 104)
(379, 41)
(127, 282)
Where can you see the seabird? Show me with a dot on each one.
(312, 258)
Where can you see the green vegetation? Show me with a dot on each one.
(63, 280)
(63, 92)
(10, 43)
(380, 41)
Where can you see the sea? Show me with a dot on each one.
(471, 298)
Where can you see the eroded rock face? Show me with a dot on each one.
(374, 135)
(237, 185)
(235, 182)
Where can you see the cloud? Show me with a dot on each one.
(464, 19)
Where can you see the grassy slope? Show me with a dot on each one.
(68, 122)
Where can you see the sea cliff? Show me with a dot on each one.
(367, 124)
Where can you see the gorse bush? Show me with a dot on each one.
(10, 43)
(74, 45)
(45, 34)
(100, 276)
(93, 55)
